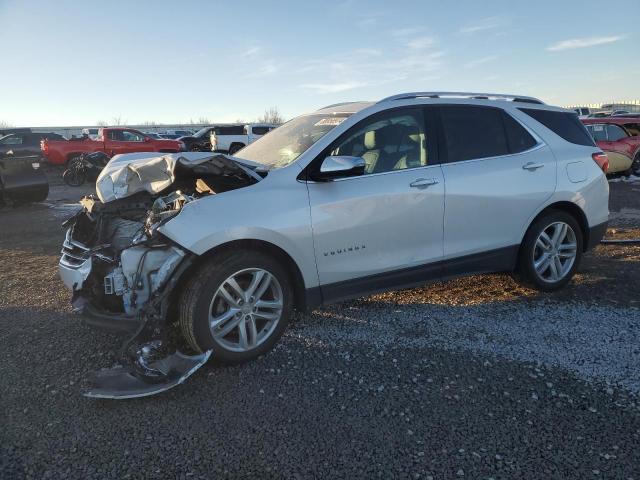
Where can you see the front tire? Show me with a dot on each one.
(550, 252)
(237, 304)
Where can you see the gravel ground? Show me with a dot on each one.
(473, 378)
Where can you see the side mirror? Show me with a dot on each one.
(340, 166)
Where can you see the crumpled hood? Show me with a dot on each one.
(130, 173)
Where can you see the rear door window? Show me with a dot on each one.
(564, 124)
(473, 132)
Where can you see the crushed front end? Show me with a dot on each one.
(123, 272)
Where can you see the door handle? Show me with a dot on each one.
(423, 182)
(531, 166)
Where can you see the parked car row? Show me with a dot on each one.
(586, 112)
(111, 141)
(619, 138)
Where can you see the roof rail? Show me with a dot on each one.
(478, 96)
(338, 104)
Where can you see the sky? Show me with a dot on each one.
(83, 62)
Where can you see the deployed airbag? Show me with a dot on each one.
(127, 174)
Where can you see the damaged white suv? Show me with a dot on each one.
(342, 202)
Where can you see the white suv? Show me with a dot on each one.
(339, 203)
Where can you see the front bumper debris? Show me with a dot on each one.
(136, 380)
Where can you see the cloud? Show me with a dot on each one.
(420, 43)
(368, 68)
(480, 61)
(333, 87)
(583, 43)
(484, 24)
(251, 51)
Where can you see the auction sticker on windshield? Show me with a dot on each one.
(330, 121)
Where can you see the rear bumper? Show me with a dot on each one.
(596, 233)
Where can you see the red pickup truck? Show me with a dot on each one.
(111, 141)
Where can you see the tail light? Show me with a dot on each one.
(44, 146)
(214, 142)
(602, 160)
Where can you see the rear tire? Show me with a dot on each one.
(550, 252)
(235, 148)
(215, 314)
(635, 166)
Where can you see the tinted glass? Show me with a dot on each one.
(615, 133)
(563, 124)
(11, 140)
(230, 130)
(391, 141)
(518, 138)
(130, 136)
(598, 132)
(633, 129)
(473, 132)
(260, 130)
(115, 135)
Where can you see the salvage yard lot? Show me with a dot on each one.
(472, 378)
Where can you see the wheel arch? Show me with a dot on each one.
(572, 209)
(238, 144)
(298, 285)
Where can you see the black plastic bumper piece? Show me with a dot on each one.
(596, 234)
(124, 382)
(106, 321)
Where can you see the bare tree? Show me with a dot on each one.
(4, 124)
(117, 121)
(271, 115)
(203, 121)
(101, 123)
(150, 123)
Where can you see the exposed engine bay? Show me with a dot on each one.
(123, 272)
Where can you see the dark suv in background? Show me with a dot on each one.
(23, 142)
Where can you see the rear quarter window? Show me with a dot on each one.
(260, 130)
(564, 124)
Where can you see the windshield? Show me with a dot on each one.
(202, 132)
(282, 146)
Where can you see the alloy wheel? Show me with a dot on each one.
(246, 309)
(555, 252)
